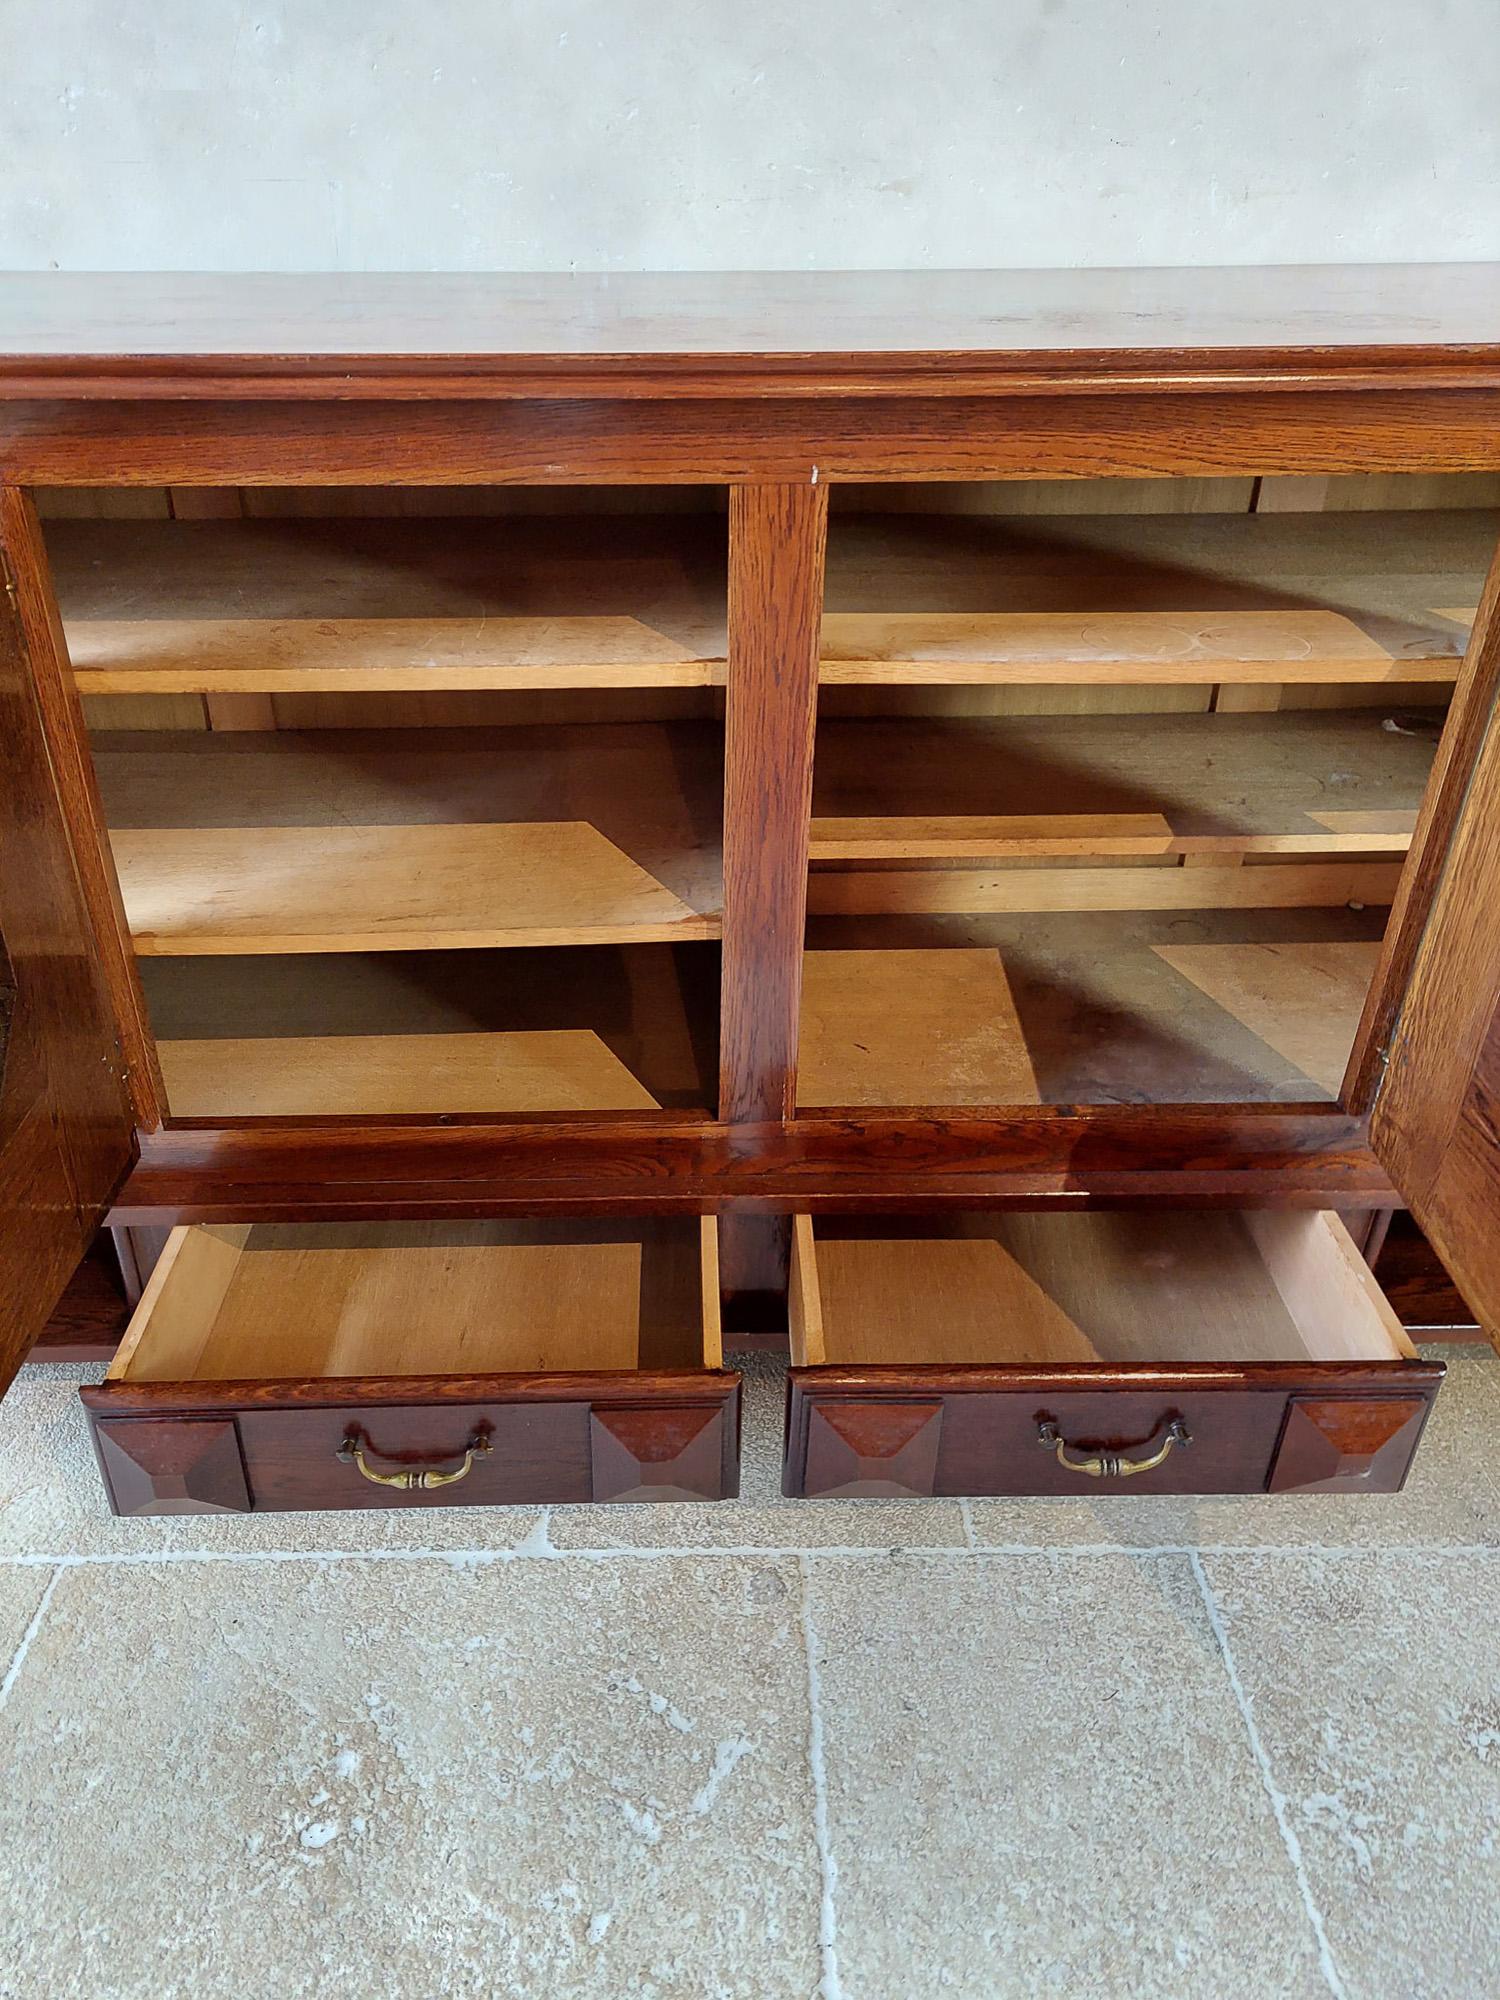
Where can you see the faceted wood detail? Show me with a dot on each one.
(657, 1454)
(1337, 1444)
(868, 1449)
(182, 1465)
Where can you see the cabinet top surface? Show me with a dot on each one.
(138, 333)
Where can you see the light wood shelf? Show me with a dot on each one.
(275, 842)
(1333, 781)
(609, 833)
(588, 1029)
(1203, 1007)
(1311, 807)
(359, 606)
(1188, 598)
(305, 606)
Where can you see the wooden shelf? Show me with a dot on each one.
(1212, 1007)
(275, 842)
(312, 606)
(1161, 598)
(433, 1034)
(903, 815)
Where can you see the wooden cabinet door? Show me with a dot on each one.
(66, 1127)
(1435, 1123)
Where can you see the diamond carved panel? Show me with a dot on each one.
(1339, 1444)
(868, 1450)
(178, 1465)
(650, 1453)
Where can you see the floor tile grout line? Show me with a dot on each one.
(18, 1658)
(830, 1985)
(537, 1546)
(1278, 1799)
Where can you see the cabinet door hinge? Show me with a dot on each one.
(8, 578)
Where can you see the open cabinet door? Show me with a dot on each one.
(66, 1128)
(1435, 1124)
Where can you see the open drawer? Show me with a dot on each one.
(399, 1364)
(1167, 1352)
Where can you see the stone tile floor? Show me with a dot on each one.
(872, 1751)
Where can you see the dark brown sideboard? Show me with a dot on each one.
(545, 818)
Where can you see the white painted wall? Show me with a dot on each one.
(543, 134)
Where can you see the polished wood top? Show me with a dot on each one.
(743, 333)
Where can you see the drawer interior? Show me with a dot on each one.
(276, 1300)
(1126, 1287)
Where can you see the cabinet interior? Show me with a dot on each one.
(1111, 808)
(270, 1301)
(413, 816)
(419, 813)
(1126, 1286)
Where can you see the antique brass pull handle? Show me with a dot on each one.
(1110, 1464)
(414, 1478)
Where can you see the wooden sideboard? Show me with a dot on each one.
(549, 819)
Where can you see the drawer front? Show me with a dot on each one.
(254, 1458)
(900, 1433)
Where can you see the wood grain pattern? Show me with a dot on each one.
(429, 1034)
(591, 833)
(48, 730)
(1051, 836)
(1114, 1155)
(1452, 795)
(1299, 1001)
(1436, 1118)
(1330, 781)
(390, 888)
(777, 540)
(1085, 1008)
(895, 648)
(394, 1075)
(853, 892)
(366, 655)
(590, 600)
(678, 441)
(1203, 584)
(374, 605)
(776, 545)
(66, 1134)
(911, 1027)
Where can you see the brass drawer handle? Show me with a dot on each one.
(415, 1478)
(1110, 1464)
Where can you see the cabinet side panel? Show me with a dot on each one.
(1435, 1126)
